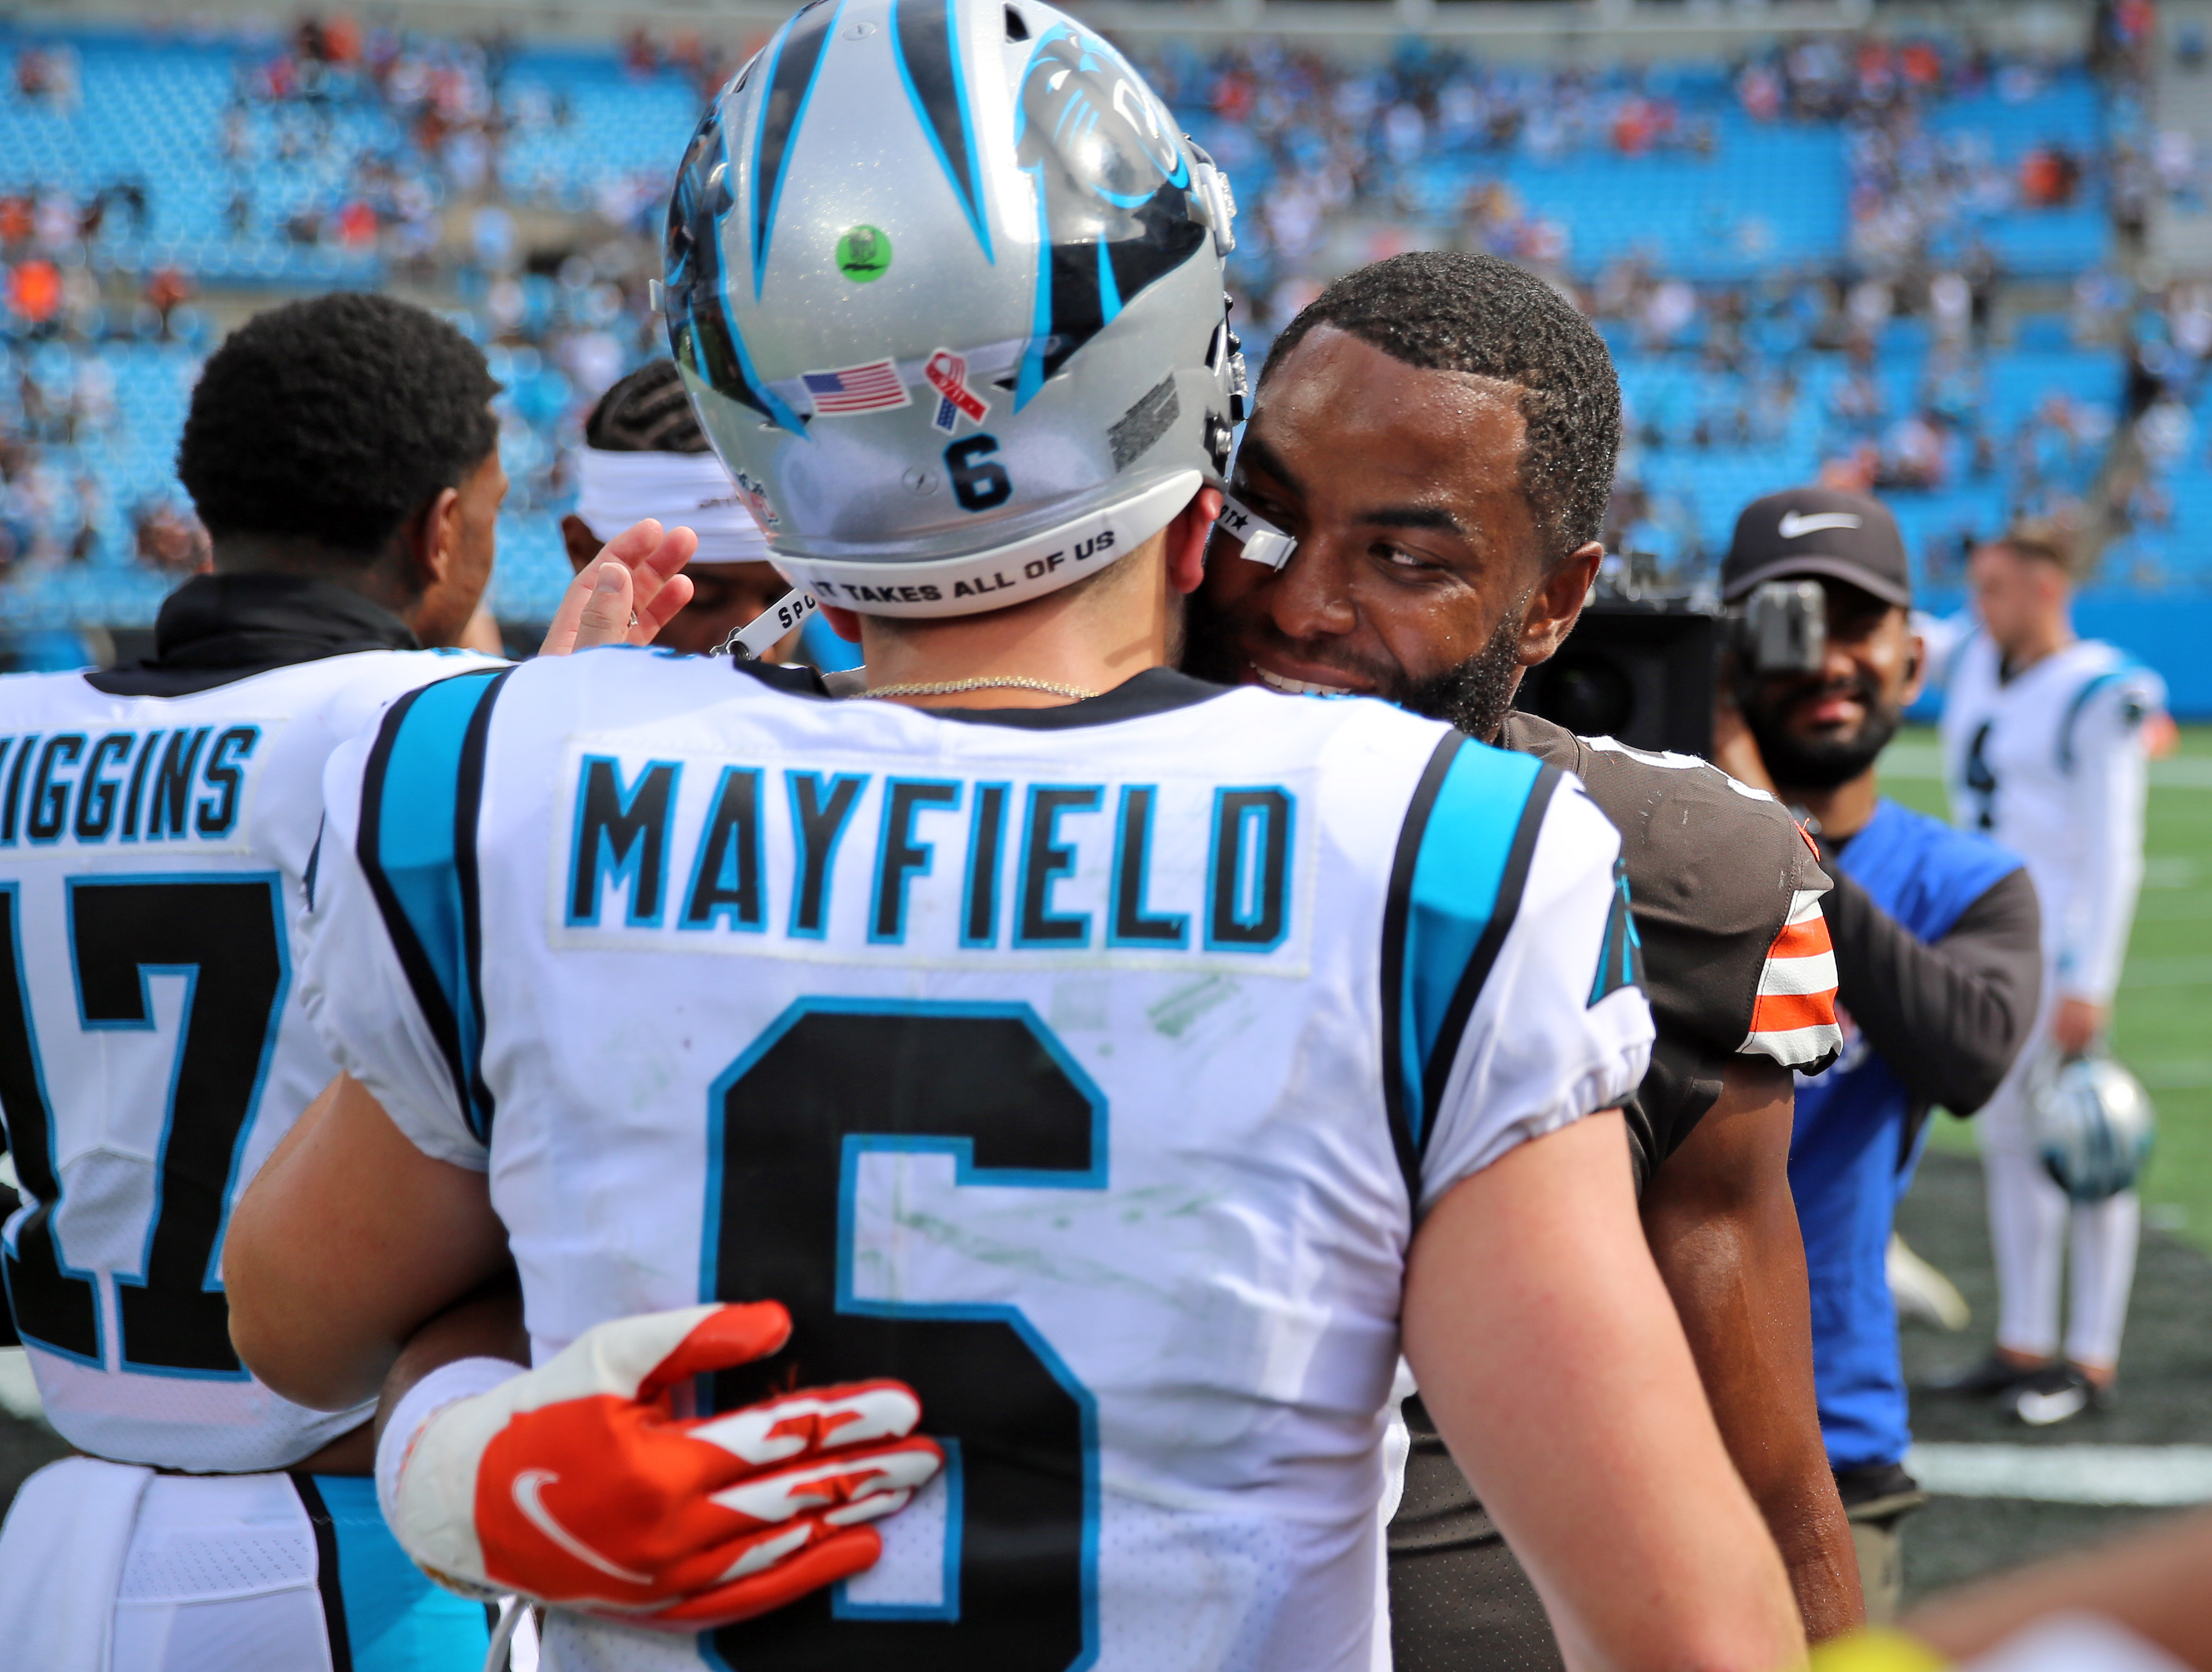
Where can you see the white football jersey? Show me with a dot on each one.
(2051, 763)
(1087, 1067)
(153, 1049)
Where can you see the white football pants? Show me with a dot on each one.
(2033, 1227)
(109, 1567)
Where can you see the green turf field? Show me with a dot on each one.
(2163, 1026)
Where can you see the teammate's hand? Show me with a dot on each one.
(2075, 1024)
(2160, 736)
(629, 594)
(576, 1485)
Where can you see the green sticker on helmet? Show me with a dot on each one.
(864, 254)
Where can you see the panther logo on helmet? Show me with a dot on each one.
(1113, 192)
(2093, 1124)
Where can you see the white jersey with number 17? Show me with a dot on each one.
(152, 1047)
(1088, 1069)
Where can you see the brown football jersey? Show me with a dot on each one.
(1723, 889)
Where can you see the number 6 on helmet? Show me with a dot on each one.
(576, 1484)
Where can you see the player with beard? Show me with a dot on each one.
(1938, 964)
(1421, 484)
(1724, 888)
(1177, 1504)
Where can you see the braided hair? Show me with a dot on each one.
(647, 412)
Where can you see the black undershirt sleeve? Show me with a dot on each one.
(1948, 1015)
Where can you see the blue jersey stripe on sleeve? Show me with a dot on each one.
(417, 849)
(2082, 699)
(1463, 856)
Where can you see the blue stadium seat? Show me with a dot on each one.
(1769, 198)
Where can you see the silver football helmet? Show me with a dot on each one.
(945, 284)
(2093, 1124)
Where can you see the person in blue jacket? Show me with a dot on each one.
(1938, 967)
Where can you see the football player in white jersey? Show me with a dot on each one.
(1119, 1060)
(158, 827)
(2044, 750)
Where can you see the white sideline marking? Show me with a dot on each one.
(2139, 1475)
(1924, 761)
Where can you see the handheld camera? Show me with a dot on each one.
(1781, 627)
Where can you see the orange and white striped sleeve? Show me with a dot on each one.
(1794, 1018)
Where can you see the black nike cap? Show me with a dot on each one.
(1819, 533)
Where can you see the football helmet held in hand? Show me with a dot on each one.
(2093, 1124)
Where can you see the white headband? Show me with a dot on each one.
(615, 489)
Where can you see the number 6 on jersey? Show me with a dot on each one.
(829, 1082)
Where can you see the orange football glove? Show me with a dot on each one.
(576, 1484)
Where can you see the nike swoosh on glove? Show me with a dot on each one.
(576, 1484)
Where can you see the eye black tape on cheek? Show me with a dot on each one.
(1262, 541)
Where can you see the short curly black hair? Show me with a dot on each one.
(647, 412)
(1443, 310)
(335, 419)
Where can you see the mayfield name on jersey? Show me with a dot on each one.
(1087, 1067)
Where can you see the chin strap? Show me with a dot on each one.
(757, 637)
(1262, 541)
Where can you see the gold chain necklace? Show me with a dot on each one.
(952, 687)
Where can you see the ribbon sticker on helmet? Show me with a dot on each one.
(1113, 191)
(947, 373)
(864, 254)
(702, 335)
(874, 387)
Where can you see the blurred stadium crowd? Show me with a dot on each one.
(1907, 265)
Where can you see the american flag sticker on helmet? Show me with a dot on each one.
(874, 387)
(1793, 1018)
